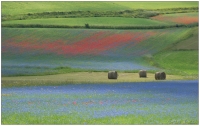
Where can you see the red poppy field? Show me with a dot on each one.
(82, 48)
(95, 44)
(180, 18)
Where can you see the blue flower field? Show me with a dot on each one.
(176, 100)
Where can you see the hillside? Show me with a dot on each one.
(14, 8)
(99, 36)
(44, 50)
(101, 15)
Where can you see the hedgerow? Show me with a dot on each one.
(139, 13)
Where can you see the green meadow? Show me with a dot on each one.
(72, 119)
(183, 62)
(92, 21)
(13, 8)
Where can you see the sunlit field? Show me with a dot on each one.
(57, 56)
(36, 7)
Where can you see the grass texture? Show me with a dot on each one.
(181, 64)
(28, 119)
(92, 21)
(13, 8)
(98, 14)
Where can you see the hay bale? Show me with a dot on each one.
(112, 75)
(160, 75)
(163, 75)
(157, 75)
(143, 73)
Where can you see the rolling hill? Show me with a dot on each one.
(54, 38)
(25, 7)
(47, 49)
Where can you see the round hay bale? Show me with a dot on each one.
(157, 75)
(160, 76)
(143, 73)
(112, 75)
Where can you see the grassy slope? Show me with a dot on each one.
(12, 8)
(30, 7)
(157, 5)
(172, 61)
(189, 42)
(181, 57)
(183, 62)
(97, 21)
(161, 40)
(13, 11)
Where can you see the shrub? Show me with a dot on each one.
(87, 25)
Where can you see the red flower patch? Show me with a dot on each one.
(186, 20)
(182, 19)
(92, 45)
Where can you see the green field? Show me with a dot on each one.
(92, 21)
(189, 42)
(156, 5)
(27, 118)
(82, 77)
(13, 8)
(185, 62)
(77, 14)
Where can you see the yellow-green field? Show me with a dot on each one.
(24, 7)
(83, 77)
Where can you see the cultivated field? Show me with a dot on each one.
(56, 57)
(30, 51)
(172, 102)
(12, 8)
(183, 18)
(92, 21)
(81, 78)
